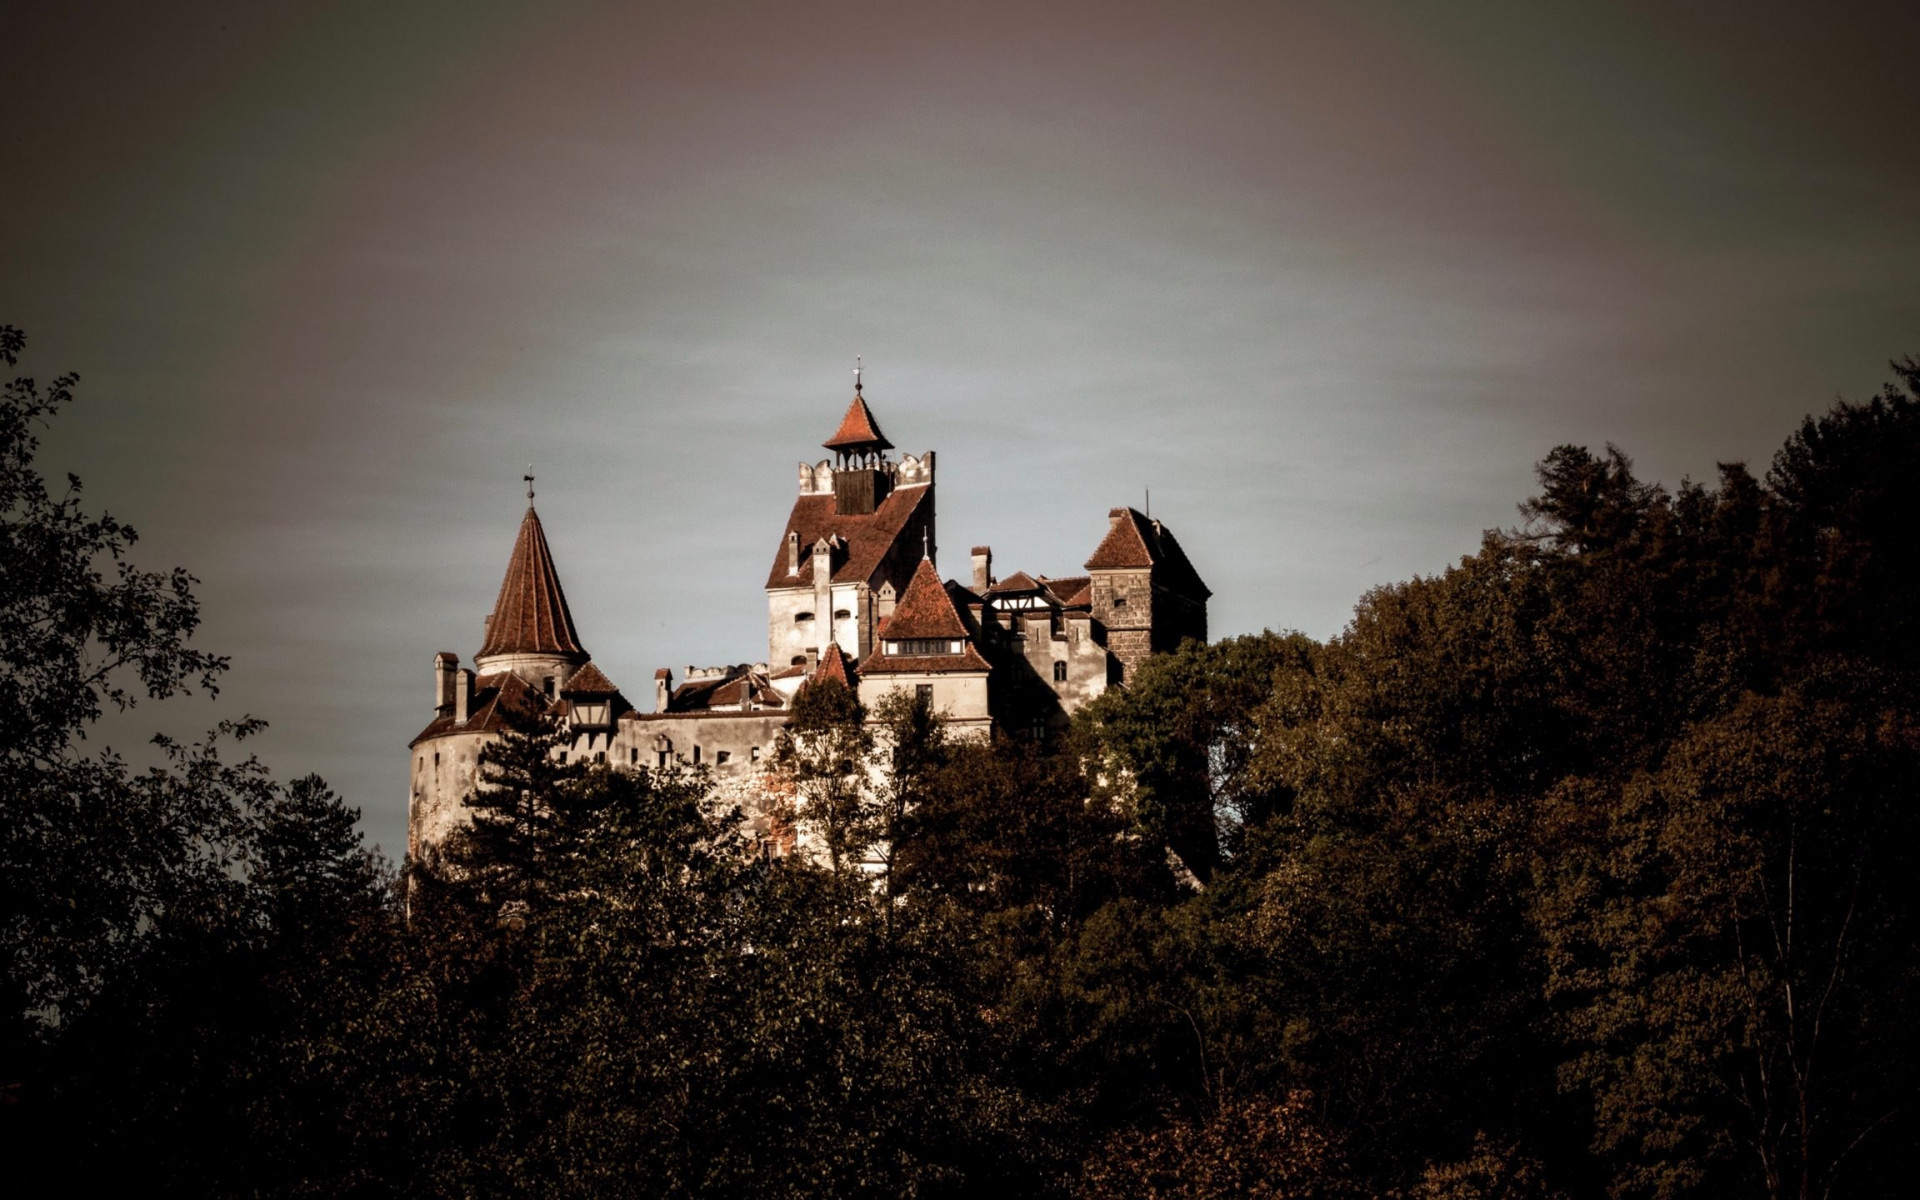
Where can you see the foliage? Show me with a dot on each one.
(1581, 868)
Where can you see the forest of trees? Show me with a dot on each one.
(1584, 868)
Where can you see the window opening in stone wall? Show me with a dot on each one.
(1059, 672)
(600, 756)
(633, 756)
(696, 756)
(799, 617)
(547, 684)
(662, 756)
(753, 754)
(841, 614)
(436, 758)
(563, 756)
(1119, 599)
(798, 660)
(720, 758)
(923, 692)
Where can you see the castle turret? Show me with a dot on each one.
(1144, 591)
(860, 523)
(531, 631)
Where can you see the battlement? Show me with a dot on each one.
(817, 479)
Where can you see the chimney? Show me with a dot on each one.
(444, 666)
(813, 659)
(662, 689)
(982, 569)
(462, 695)
(793, 553)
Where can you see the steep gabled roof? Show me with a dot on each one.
(869, 537)
(833, 665)
(589, 680)
(926, 611)
(530, 616)
(1135, 542)
(858, 430)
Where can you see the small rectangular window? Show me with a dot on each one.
(436, 758)
(696, 756)
(1059, 672)
(633, 755)
(924, 694)
(720, 758)
(753, 755)
(1119, 599)
(662, 756)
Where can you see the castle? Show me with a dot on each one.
(852, 594)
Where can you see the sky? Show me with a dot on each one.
(1328, 279)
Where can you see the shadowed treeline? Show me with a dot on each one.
(1583, 868)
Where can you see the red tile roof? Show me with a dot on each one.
(858, 430)
(1067, 589)
(530, 616)
(501, 700)
(833, 665)
(1134, 541)
(589, 680)
(869, 537)
(1019, 581)
(926, 611)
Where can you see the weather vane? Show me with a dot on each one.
(529, 478)
(856, 373)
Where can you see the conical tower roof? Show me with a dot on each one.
(531, 616)
(858, 430)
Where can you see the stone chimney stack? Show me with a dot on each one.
(793, 553)
(444, 666)
(982, 569)
(662, 689)
(462, 695)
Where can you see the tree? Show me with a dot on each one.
(88, 857)
(826, 746)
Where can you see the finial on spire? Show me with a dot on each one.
(856, 374)
(529, 478)
(923, 543)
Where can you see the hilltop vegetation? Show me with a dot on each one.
(1583, 868)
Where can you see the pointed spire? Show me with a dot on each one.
(859, 432)
(531, 616)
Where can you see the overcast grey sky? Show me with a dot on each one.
(1328, 278)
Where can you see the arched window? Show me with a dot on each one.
(802, 616)
(841, 614)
